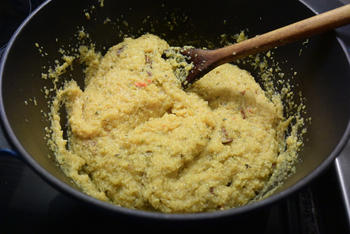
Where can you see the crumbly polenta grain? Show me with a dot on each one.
(136, 139)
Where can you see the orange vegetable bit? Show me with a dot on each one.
(140, 84)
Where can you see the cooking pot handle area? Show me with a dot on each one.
(342, 162)
(342, 167)
(5, 148)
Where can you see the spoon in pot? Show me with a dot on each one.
(205, 60)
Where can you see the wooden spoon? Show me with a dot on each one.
(206, 60)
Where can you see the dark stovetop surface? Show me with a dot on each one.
(29, 205)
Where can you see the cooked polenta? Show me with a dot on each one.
(138, 140)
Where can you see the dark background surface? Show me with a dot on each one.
(12, 13)
(30, 205)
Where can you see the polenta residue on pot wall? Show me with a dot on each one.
(136, 139)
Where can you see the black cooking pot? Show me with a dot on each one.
(322, 66)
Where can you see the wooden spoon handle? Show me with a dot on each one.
(293, 32)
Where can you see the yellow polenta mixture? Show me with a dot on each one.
(138, 140)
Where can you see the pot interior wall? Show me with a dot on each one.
(322, 69)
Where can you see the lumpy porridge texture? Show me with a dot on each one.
(135, 138)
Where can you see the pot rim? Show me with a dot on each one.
(63, 187)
